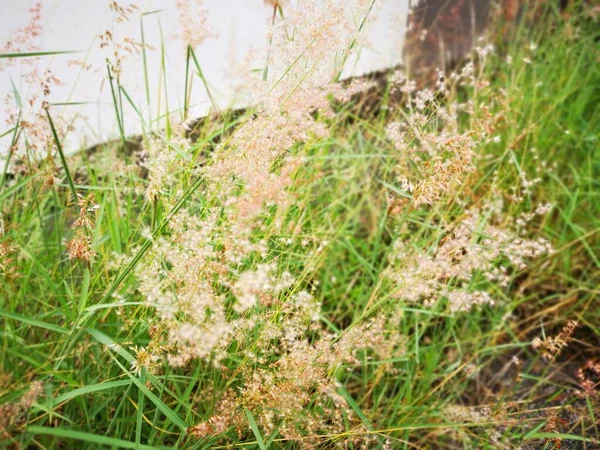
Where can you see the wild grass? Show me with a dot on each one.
(86, 250)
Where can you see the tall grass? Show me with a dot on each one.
(310, 276)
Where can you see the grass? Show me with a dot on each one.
(61, 324)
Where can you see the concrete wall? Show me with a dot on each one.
(240, 41)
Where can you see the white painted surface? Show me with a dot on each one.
(240, 25)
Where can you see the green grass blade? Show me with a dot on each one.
(62, 157)
(87, 437)
(255, 430)
(203, 78)
(7, 132)
(140, 410)
(16, 94)
(572, 437)
(116, 103)
(85, 290)
(33, 322)
(135, 108)
(110, 343)
(99, 387)
(186, 93)
(36, 54)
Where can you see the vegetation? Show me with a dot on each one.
(315, 273)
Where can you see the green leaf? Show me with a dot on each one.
(16, 94)
(33, 322)
(355, 407)
(35, 54)
(534, 430)
(72, 103)
(140, 410)
(85, 287)
(110, 343)
(156, 11)
(7, 132)
(254, 428)
(572, 437)
(113, 305)
(202, 78)
(99, 387)
(87, 437)
(62, 157)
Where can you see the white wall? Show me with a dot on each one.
(240, 26)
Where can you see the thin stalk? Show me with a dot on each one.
(164, 71)
(187, 93)
(145, 64)
(62, 157)
(116, 103)
(36, 54)
(135, 108)
(201, 75)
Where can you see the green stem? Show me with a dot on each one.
(201, 75)
(116, 103)
(62, 157)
